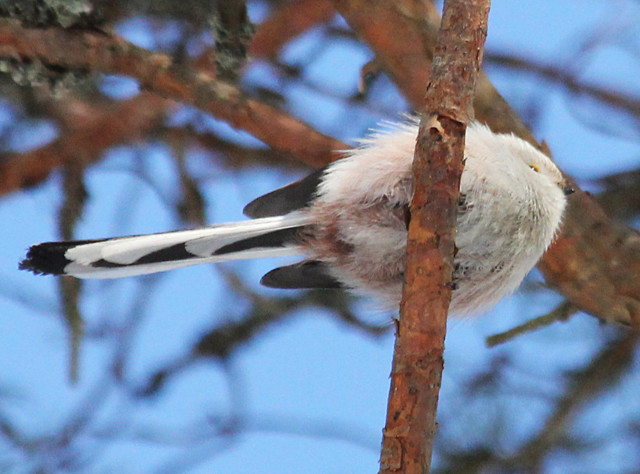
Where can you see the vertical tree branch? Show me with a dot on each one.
(232, 31)
(438, 163)
(75, 196)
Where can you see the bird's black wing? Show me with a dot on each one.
(294, 196)
(289, 198)
(308, 274)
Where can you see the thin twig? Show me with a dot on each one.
(605, 370)
(70, 212)
(560, 313)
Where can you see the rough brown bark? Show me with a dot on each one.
(418, 357)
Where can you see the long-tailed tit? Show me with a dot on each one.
(350, 222)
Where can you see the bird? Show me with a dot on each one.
(349, 221)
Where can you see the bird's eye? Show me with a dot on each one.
(535, 168)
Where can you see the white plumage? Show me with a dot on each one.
(350, 220)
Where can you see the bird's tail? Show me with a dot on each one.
(142, 254)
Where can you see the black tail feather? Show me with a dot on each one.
(49, 258)
(276, 238)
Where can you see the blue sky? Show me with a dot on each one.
(311, 390)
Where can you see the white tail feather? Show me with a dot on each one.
(88, 272)
(200, 243)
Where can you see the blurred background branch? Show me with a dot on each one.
(122, 117)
